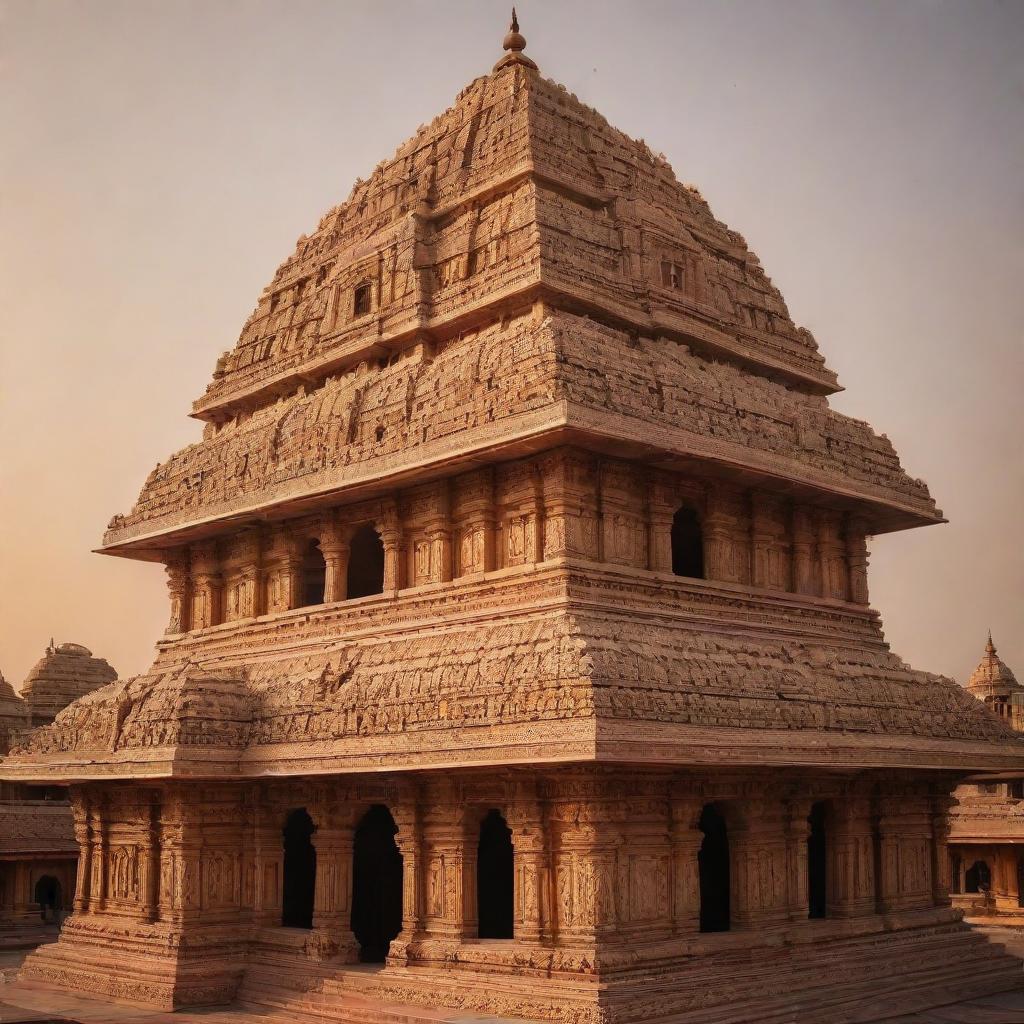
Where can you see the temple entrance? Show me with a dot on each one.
(314, 575)
(48, 896)
(495, 878)
(978, 877)
(299, 882)
(365, 563)
(817, 860)
(376, 885)
(713, 865)
(687, 544)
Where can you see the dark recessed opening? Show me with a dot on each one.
(687, 544)
(299, 881)
(376, 885)
(494, 878)
(713, 866)
(365, 563)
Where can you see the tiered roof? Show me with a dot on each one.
(63, 674)
(532, 273)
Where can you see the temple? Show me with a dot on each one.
(38, 852)
(520, 659)
(987, 822)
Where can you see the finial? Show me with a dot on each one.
(990, 648)
(514, 40)
(515, 43)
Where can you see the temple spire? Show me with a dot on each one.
(990, 648)
(514, 42)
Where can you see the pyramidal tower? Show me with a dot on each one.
(519, 637)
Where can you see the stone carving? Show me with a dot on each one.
(518, 635)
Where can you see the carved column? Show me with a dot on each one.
(758, 866)
(850, 871)
(726, 541)
(686, 838)
(149, 862)
(334, 546)
(206, 586)
(797, 830)
(450, 855)
(659, 526)
(832, 556)
(83, 837)
(179, 586)
(805, 576)
(903, 828)
(408, 817)
(941, 881)
(857, 559)
(570, 506)
(268, 867)
(390, 531)
(332, 899)
(529, 838)
(760, 539)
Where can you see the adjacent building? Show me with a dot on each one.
(520, 658)
(987, 833)
(38, 852)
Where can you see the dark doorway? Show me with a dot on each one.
(494, 878)
(376, 885)
(955, 867)
(314, 575)
(1020, 882)
(713, 865)
(365, 563)
(978, 877)
(687, 544)
(817, 861)
(299, 883)
(48, 896)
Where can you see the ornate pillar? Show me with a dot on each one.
(758, 868)
(857, 559)
(179, 586)
(334, 546)
(332, 899)
(686, 838)
(83, 837)
(797, 831)
(760, 539)
(805, 576)
(904, 842)
(659, 526)
(726, 538)
(149, 862)
(206, 586)
(941, 881)
(390, 531)
(450, 856)
(529, 839)
(832, 556)
(850, 871)
(408, 817)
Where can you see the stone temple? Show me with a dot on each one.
(520, 658)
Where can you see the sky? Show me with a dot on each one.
(159, 160)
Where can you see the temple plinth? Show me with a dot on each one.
(519, 638)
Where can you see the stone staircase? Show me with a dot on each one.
(854, 980)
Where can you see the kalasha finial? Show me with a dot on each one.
(990, 648)
(515, 43)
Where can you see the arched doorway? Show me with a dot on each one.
(978, 878)
(817, 862)
(49, 897)
(313, 577)
(365, 563)
(687, 544)
(299, 883)
(495, 884)
(376, 885)
(713, 865)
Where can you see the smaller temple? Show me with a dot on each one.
(63, 674)
(38, 852)
(987, 835)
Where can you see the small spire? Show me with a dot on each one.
(990, 648)
(514, 42)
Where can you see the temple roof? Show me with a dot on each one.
(14, 714)
(517, 272)
(992, 677)
(64, 673)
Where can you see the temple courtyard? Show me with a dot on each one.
(31, 1003)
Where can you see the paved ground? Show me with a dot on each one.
(22, 1003)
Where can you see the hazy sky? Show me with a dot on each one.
(158, 160)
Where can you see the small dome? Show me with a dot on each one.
(63, 674)
(13, 714)
(992, 677)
